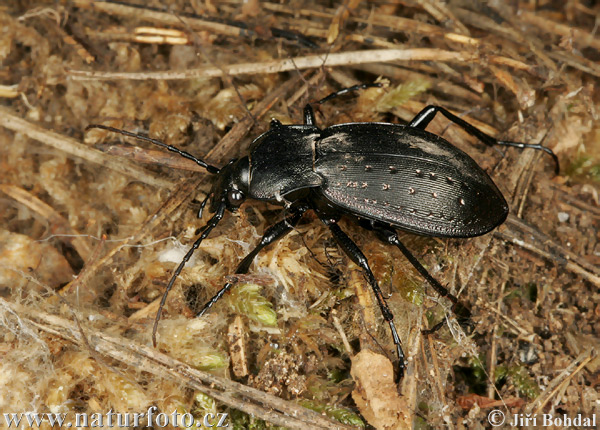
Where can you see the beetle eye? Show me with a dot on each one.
(235, 197)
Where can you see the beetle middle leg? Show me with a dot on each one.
(272, 234)
(423, 118)
(357, 256)
(390, 236)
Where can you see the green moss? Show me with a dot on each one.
(519, 377)
(243, 421)
(342, 415)
(208, 360)
(247, 300)
(585, 167)
(524, 383)
(399, 95)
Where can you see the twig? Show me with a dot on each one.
(516, 327)
(577, 202)
(579, 35)
(436, 370)
(158, 17)
(442, 86)
(340, 329)
(506, 32)
(411, 378)
(491, 389)
(442, 13)
(185, 188)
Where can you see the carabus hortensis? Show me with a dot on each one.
(383, 176)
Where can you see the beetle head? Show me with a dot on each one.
(231, 185)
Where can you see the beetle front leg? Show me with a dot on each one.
(356, 255)
(390, 236)
(423, 118)
(272, 234)
(212, 223)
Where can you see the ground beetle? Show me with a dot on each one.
(384, 176)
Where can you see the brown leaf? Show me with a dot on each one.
(376, 394)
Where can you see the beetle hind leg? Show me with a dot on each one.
(390, 236)
(423, 118)
(356, 255)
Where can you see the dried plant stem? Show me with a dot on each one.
(560, 381)
(580, 36)
(411, 380)
(158, 17)
(185, 188)
(58, 224)
(491, 389)
(75, 148)
(285, 65)
(543, 246)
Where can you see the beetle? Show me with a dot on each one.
(383, 176)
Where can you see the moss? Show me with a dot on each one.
(247, 300)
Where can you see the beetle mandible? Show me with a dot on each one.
(384, 176)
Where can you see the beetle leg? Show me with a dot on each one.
(309, 113)
(389, 235)
(348, 90)
(356, 255)
(423, 118)
(203, 204)
(212, 223)
(272, 234)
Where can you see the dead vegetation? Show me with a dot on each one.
(92, 225)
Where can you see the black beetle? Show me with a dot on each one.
(384, 176)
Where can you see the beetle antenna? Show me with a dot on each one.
(184, 154)
(212, 223)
